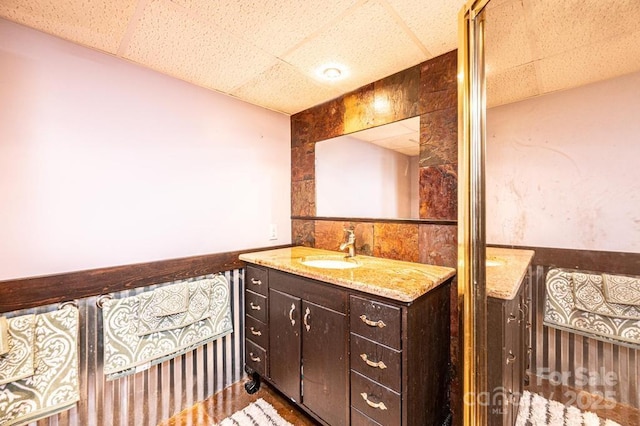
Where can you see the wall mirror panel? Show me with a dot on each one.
(373, 173)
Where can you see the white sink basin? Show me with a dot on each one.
(329, 262)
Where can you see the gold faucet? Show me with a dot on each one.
(350, 243)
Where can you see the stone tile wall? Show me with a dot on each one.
(429, 90)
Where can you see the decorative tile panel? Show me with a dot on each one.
(330, 234)
(364, 237)
(303, 198)
(439, 192)
(438, 245)
(328, 120)
(398, 96)
(301, 128)
(439, 83)
(358, 113)
(303, 162)
(303, 233)
(396, 241)
(439, 137)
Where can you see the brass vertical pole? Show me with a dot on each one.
(472, 299)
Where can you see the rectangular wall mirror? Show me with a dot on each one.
(373, 173)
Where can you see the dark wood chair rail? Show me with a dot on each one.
(613, 262)
(27, 293)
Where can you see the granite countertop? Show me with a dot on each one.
(506, 269)
(393, 279)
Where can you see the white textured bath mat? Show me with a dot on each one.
(257, 413)
(536, 410)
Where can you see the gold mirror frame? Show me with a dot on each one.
(472, 299)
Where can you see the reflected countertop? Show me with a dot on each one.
(393, 279)
(506, 268)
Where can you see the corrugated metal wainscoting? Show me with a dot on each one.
(154, 395)
(578, 361)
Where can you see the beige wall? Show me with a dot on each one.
(105, 163)
(563, 169)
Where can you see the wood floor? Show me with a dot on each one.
(234, 398)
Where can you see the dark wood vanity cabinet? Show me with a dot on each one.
(256, 314)
(309, 352)
(508, 340)
(347, 357)
(286, 343)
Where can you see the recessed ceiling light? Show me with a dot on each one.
(332, 73)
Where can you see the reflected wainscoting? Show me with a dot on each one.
(154, 395)
(569, 360)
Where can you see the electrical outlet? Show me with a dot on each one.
(273, 231)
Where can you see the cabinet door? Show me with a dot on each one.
(284, 343)
(498, 380)
(325, 363)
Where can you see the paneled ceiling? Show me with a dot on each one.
(535, 47)
(271, 52)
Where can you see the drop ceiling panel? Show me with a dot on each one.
(507, 38)
(588, 64)
(496, 3)
(512, 85)
(399, 128)
(402, 136)
(434, 22)
(411, 152)
(399, 144)
(100, 25)
(265, 24)
(268, 52)
(282, 88)
(565, 25)
(169, 39)
(359, 41)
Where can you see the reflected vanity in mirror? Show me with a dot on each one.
(373, 173)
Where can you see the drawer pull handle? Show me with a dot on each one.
(511, 358)
(254, 307)
(511, 318)
(256, 282)
(253, 357)
(307, 312)
(293, 308)
(367, 321)
(256, 333)
(523, 314)
(379, 405)
(381, 365)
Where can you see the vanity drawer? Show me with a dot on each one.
(377, 362)
(375, 401)
(376, 321)
(255, 305)
(359, 419)
(256, 331)
(257, 280)
(255, 358)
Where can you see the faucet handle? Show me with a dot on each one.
(352, 236)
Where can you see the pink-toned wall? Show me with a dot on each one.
(105, 163)
(563, 169)
(355, 178)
